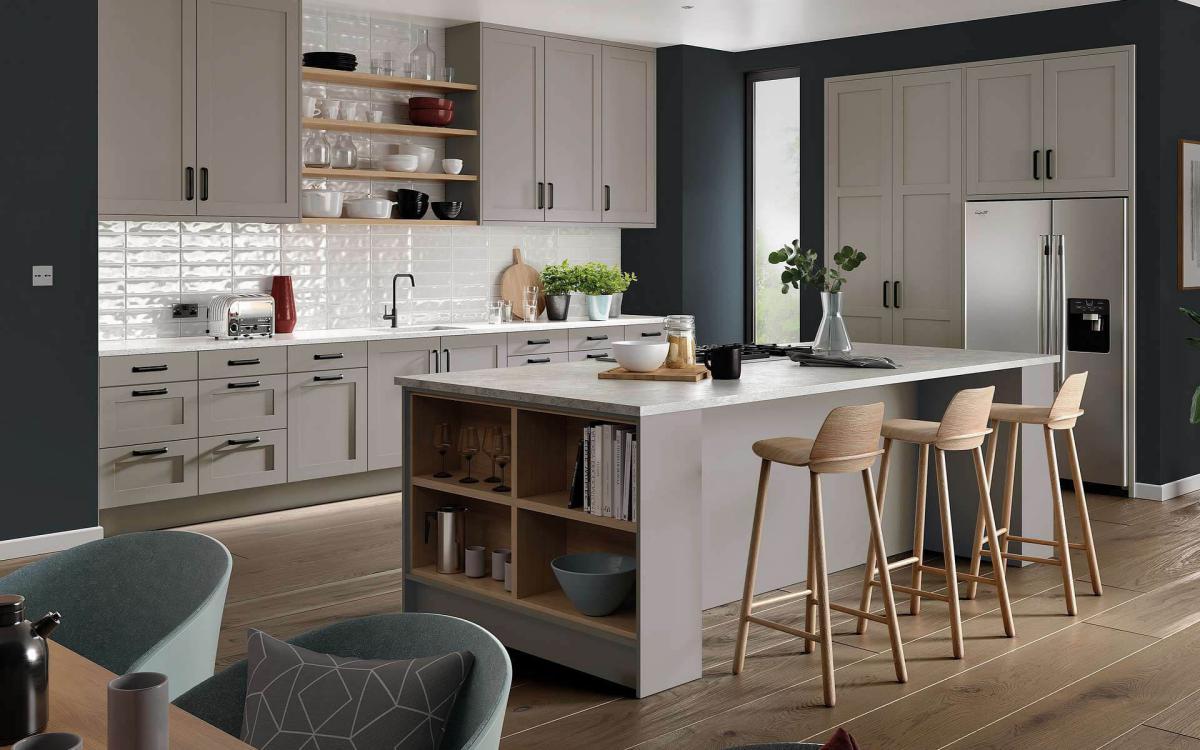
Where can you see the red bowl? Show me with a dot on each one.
(429, 102)
(434, 117)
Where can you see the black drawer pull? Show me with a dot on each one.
(151, 392)
(243, 441)
(247, 384)
(339, 355)
(537, 342)
(243, 362)
(538, 361)
(603, 337)
(149, 368)
(646, 334)
(149, 452)
(327, 378)
(602, 355)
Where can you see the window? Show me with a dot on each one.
(774, 202)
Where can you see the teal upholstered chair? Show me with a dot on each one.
(478, 713)
(145, 602)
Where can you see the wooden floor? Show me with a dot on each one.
(1124, 673)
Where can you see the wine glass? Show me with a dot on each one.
(490, 447)
(468, 446)
(502, 453)
(441, 441)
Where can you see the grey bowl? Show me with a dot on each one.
(597, 583)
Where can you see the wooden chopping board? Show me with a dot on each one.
(515, 278)
(689, 374)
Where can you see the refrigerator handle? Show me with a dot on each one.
(1044, 295)
(1061, 310)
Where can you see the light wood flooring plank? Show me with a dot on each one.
(1149, 738)
(1181, 718)
(1160, 613)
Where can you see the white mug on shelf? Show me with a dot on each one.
(329, 108)
(375, 116)
(310, 107)
(452, 166)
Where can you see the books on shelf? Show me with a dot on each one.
(606, 472)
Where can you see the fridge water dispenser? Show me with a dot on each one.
(1087, 325)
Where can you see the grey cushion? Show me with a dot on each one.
(296, 698)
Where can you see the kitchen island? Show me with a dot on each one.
(695, 499)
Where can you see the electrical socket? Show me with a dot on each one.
(43, 275)
(185, 310)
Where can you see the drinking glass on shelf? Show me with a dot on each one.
(505, 311)
(496, 311)
(529, 297)
(531, 312)
(441, 442)
(502, 453)
(490, 447)
(468, 447)
(386, 64)
(448, 74)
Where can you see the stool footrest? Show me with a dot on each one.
(917, 592)
(987, 580)
(1026, 558)
(779, 598)
(902, 563)
(785, 628)
(857, 612)
(1046, 542)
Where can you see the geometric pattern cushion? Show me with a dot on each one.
(297, 699)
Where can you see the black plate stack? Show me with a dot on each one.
(331, 60)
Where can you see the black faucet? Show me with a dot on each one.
(394, 316)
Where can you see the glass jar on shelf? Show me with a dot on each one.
(345, 154)
(317, 150)
(681, 341)
(423, 60)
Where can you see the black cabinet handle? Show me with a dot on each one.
(243, 441)
(189, 189)
(149, 368)
(149, 452)
(243, 362)
(318, 357)
(537, 342)
(896, 294)
(885, 286)
(327, 378)
(602, 355)
(607, 197)
(646, 334)
(1049, 164)
(538, 361)
(1037, 158)
(541, 195)
(603, 337)
(203, 183)
(549, 196)
(151, 392)
(247, 384)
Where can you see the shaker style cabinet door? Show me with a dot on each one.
(573, 102)
(858, 195)
(247, 101)
(628, 126)
(482, 351)
(1005, 149)
(147, 107)
(385, 424)
(327, 423)
(927, 206)
(512, 128)
(1087, 117)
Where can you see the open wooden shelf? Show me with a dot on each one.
(354, 78)
(384, 128)
(398, 222)
(623, 622)
(383, 174)
(451, 484)
(555, 504)
(482, 586)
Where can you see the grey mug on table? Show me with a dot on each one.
(137, 711)
(51, 741)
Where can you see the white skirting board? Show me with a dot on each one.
(44, 543)
(1166, 491)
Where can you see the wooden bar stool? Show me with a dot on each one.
(1059, 416)
(963, 428)
(848, 441)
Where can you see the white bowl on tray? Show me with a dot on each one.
(640, 356)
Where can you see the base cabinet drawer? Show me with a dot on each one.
(244, 404)
(139, 369)
(238, 462)
(591, 339)
(147, 473)
(586, 356)
(538, 359)
(537, 342)
(652, 331)
(146, 413)
(337, 356)
(258, 360)
(327, 423)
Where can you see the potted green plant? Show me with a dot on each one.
(627, 278)
(801, 267)
(558, 281)
(599, 282)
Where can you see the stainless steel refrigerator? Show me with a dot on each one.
(1049, 276)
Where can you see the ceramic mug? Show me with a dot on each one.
(329, 108)
(309, 105)
(476, 561)
(51, 741)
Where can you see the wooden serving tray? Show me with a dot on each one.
(689, 374)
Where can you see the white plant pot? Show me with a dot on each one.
(598, 306)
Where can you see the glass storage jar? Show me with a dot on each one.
(345, 154)
(681, 341)
(316, 150)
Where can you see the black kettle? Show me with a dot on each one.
(24, 670)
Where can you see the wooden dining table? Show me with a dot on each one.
(79, 704)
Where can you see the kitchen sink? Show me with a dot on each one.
(421, 329)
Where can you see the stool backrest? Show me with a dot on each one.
(1070, 396)
(965, 421)
(848, 439)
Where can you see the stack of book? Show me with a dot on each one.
(606, 472)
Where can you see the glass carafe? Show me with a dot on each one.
(423, 60)
(345, 154)
(832, 338)
(317, 150)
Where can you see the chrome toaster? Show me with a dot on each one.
(241, 316)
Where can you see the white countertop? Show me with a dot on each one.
(207, 343)
(575, 385)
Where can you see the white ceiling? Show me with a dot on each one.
(719, 24)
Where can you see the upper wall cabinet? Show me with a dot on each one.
(566, 128)
(1056, 125)
(199, 108)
